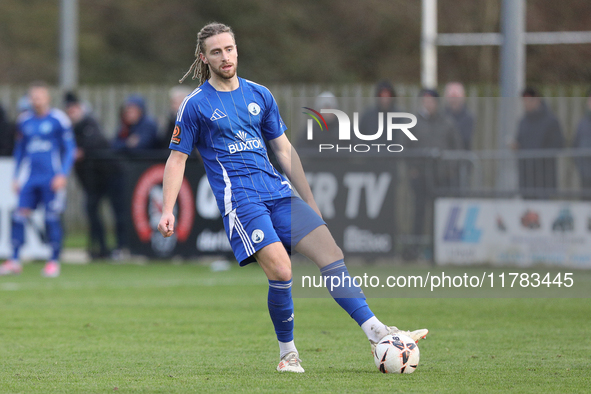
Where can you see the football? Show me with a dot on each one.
(396, 354)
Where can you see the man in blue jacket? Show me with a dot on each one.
(138, 131)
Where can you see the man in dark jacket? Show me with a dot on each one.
(583, 140)
(385, 102)
(435, 132)
(538, 129)
(138, 131)
(99, 174)
(456, 109)
(455, 99)
(7, 133)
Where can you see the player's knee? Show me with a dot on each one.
(52, 216)
(284, 275)
(21, 214)
(283, 272)
(334, 253)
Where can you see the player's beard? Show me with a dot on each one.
(225, 74)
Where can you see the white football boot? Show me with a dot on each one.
(415, 335)
(51, 270)
(11, 267)
(290, 363)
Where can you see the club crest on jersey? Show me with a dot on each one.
(257, 236)
(217, 115)
(254, 108)
(244, 143)
(176, 135)
(45, 127)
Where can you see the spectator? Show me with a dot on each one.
(434, 131)
(325, 100)
(456, 109)
(6, 134)
(583, 140)
(100, 175)
(176, 96)
(138, 131)
(386, 96)
(8, 129)
(370, 123)
(538, 129)
(455, 98)
(23, 104)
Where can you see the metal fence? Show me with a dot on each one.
(419, 177)
(487, 170)
(551, 174)
(105, 102)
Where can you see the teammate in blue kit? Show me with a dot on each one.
(227, 118)
(44, 154)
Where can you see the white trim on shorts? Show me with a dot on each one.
(248, 247)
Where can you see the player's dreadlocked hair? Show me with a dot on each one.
(199, 69)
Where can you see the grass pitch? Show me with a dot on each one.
(182, 328)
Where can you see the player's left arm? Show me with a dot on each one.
(291, 164)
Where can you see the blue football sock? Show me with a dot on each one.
(345, 293)
(281, 309)
(53, 227)
(18, 233)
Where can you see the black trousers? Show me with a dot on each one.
(112, 187)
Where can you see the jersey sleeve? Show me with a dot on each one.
(272, 125)
(186, 128)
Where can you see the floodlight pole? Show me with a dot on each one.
(512, 39)
(68, 78)
(512, 73)
(429, 44)
(512, 80)
(512, 77)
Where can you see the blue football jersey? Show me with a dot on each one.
(44, 147)
(228, 129)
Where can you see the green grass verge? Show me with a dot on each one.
(76, 239)
(79, 239)
(164, 328)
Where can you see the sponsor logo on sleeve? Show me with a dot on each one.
(176, 135)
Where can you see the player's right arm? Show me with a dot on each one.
(18, 153)
(181, 145)
(173, 178)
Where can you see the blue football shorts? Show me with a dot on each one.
(35, 192)
(252, 226)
